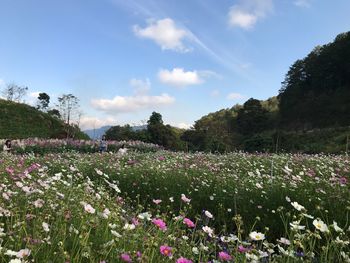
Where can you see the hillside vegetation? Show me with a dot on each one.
(18, 120)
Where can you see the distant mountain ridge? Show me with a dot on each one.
(97, 133)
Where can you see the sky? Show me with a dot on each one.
(124, 59)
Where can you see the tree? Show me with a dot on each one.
(54, 113)
(252, 118)
(69, 110)
(43, 101)
(156, 118)
(13, 92)
(68, 107)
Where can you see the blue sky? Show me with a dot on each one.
(183, 58)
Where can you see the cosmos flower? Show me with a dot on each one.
(256, 236)
(224, 256)
(320, 225)
(189, 223)
(183, 260)
(165, 250)
(159, 223)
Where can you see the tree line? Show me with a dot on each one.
(311, 113)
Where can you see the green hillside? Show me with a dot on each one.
(18, 120)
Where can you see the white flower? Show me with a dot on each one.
(208, 230)
(195, 250)
(39, 203)
(15, 261)
(295, 226)
(257, 236)
(320, 225)
(88, 208)
(208, 214)
(46, 227)
(287, 199)
(336, 227)
(116, 234)
(284, 241)
(297, 206)
(145, 216)
(129, 226)
(106, 213)
(11, 253)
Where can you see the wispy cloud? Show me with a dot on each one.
(179, 78)
(165, 33)
(235, 96)
(303, 3)
(246, 13)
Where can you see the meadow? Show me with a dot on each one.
(160, 206)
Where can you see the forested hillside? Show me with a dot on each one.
(18, 120)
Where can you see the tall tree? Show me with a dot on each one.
(69, 110)
(252, 118)
(68, 107)
(43, 101)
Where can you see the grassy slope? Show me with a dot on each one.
(18, 120)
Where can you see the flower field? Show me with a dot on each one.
(174, 207)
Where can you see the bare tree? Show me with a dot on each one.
(69, 109)
(13, 92)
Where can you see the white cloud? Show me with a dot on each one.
(246, 13)
(127, 104)
(140, 86)
(179, 78)
(88, 122)
(165, 33)
(303, 3)
(235, 96)
(2, 83)
(183, 125)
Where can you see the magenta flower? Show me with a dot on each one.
(224, 256)
(183, 260)
(159, 223)
(125, 257)
(343, 180)
(166, 251)
(242, 249)
(189, 222)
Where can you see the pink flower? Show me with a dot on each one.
(242, 249)
(135, 221)
(125, 257)
(159, 223)
(166, 251)
(157, 201)
(183, 260)
(224, 256)
(185, 199)
(189, 223)
(343, 180)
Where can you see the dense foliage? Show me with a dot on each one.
(18, 120)
(174, 207)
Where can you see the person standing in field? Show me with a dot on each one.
(7, 146)
(103, 144)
